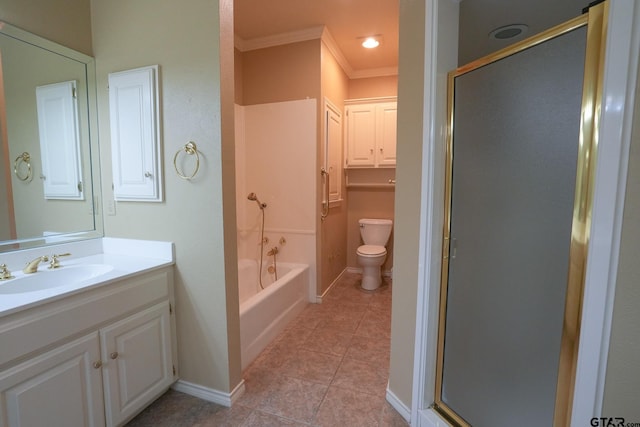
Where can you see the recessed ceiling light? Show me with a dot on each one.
(370, 43)
(508, 31)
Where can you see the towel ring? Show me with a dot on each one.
(26, 159)
(190, 148)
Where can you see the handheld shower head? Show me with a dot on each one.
(253, 197)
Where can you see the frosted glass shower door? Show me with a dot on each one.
(515, 153)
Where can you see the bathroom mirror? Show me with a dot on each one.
(33, 156)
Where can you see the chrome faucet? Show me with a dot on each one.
(32, 266)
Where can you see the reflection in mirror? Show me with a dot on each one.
(46, 143)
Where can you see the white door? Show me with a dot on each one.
(59, 388)
(386, 119)
(361, 134)
(137, 362)
(333, 150)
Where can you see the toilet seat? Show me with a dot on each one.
(371, 250)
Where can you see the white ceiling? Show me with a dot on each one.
(350, 20)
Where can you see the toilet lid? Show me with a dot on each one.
(371, 250)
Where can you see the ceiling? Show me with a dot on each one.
(348, 21)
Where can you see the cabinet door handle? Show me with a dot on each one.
(97, 364)
(114, 355)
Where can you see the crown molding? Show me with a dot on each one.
(374, 72)
(279, 39)
(320, 32)
(331, 44)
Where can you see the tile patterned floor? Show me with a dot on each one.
(328, 368)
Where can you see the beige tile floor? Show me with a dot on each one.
(328, 368)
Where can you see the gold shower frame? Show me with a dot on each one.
(596, 21)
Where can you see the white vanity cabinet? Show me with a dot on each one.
(371, 133)
(58, 388)
(95, 358)
(136, 362)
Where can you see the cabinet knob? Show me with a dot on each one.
(148, 174)
(381, 150)
(97, 364)
(371, 149)
(114, 355)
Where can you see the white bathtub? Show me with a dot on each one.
(265, 313)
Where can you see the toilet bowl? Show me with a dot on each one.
(375, 234)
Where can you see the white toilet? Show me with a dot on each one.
(375, 234)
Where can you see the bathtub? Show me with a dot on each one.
(265, 313)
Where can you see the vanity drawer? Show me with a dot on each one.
(28, 331)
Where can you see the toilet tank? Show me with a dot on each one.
(375, 231)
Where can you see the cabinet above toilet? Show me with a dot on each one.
(370, 132)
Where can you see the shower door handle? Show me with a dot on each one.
(325, 203)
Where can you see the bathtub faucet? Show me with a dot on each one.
(274, 250)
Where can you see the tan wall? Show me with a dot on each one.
(281, 73)
(407, 204)
(237, 76)
(332, 244)
(198, 215)
(67, 22)
(623, 376)
(378, 86)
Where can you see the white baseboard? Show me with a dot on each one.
(319, 297)
(397, 404)
(209, 394)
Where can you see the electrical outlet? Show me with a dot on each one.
(111, 207)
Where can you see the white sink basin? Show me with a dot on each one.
(50, 279)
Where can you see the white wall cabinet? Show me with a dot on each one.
(371, 133)
(122, 362)
(134, 110)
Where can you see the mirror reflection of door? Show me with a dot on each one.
(516, 159)
(44, 203)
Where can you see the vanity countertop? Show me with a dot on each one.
(124, 257)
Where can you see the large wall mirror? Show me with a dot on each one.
(49, 165)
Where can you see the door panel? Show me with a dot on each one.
(515, 152)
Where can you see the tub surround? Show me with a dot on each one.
(127, 257)
(266, 313)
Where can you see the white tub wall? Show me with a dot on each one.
(299, 248)
(241, 190)
(276, 159)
